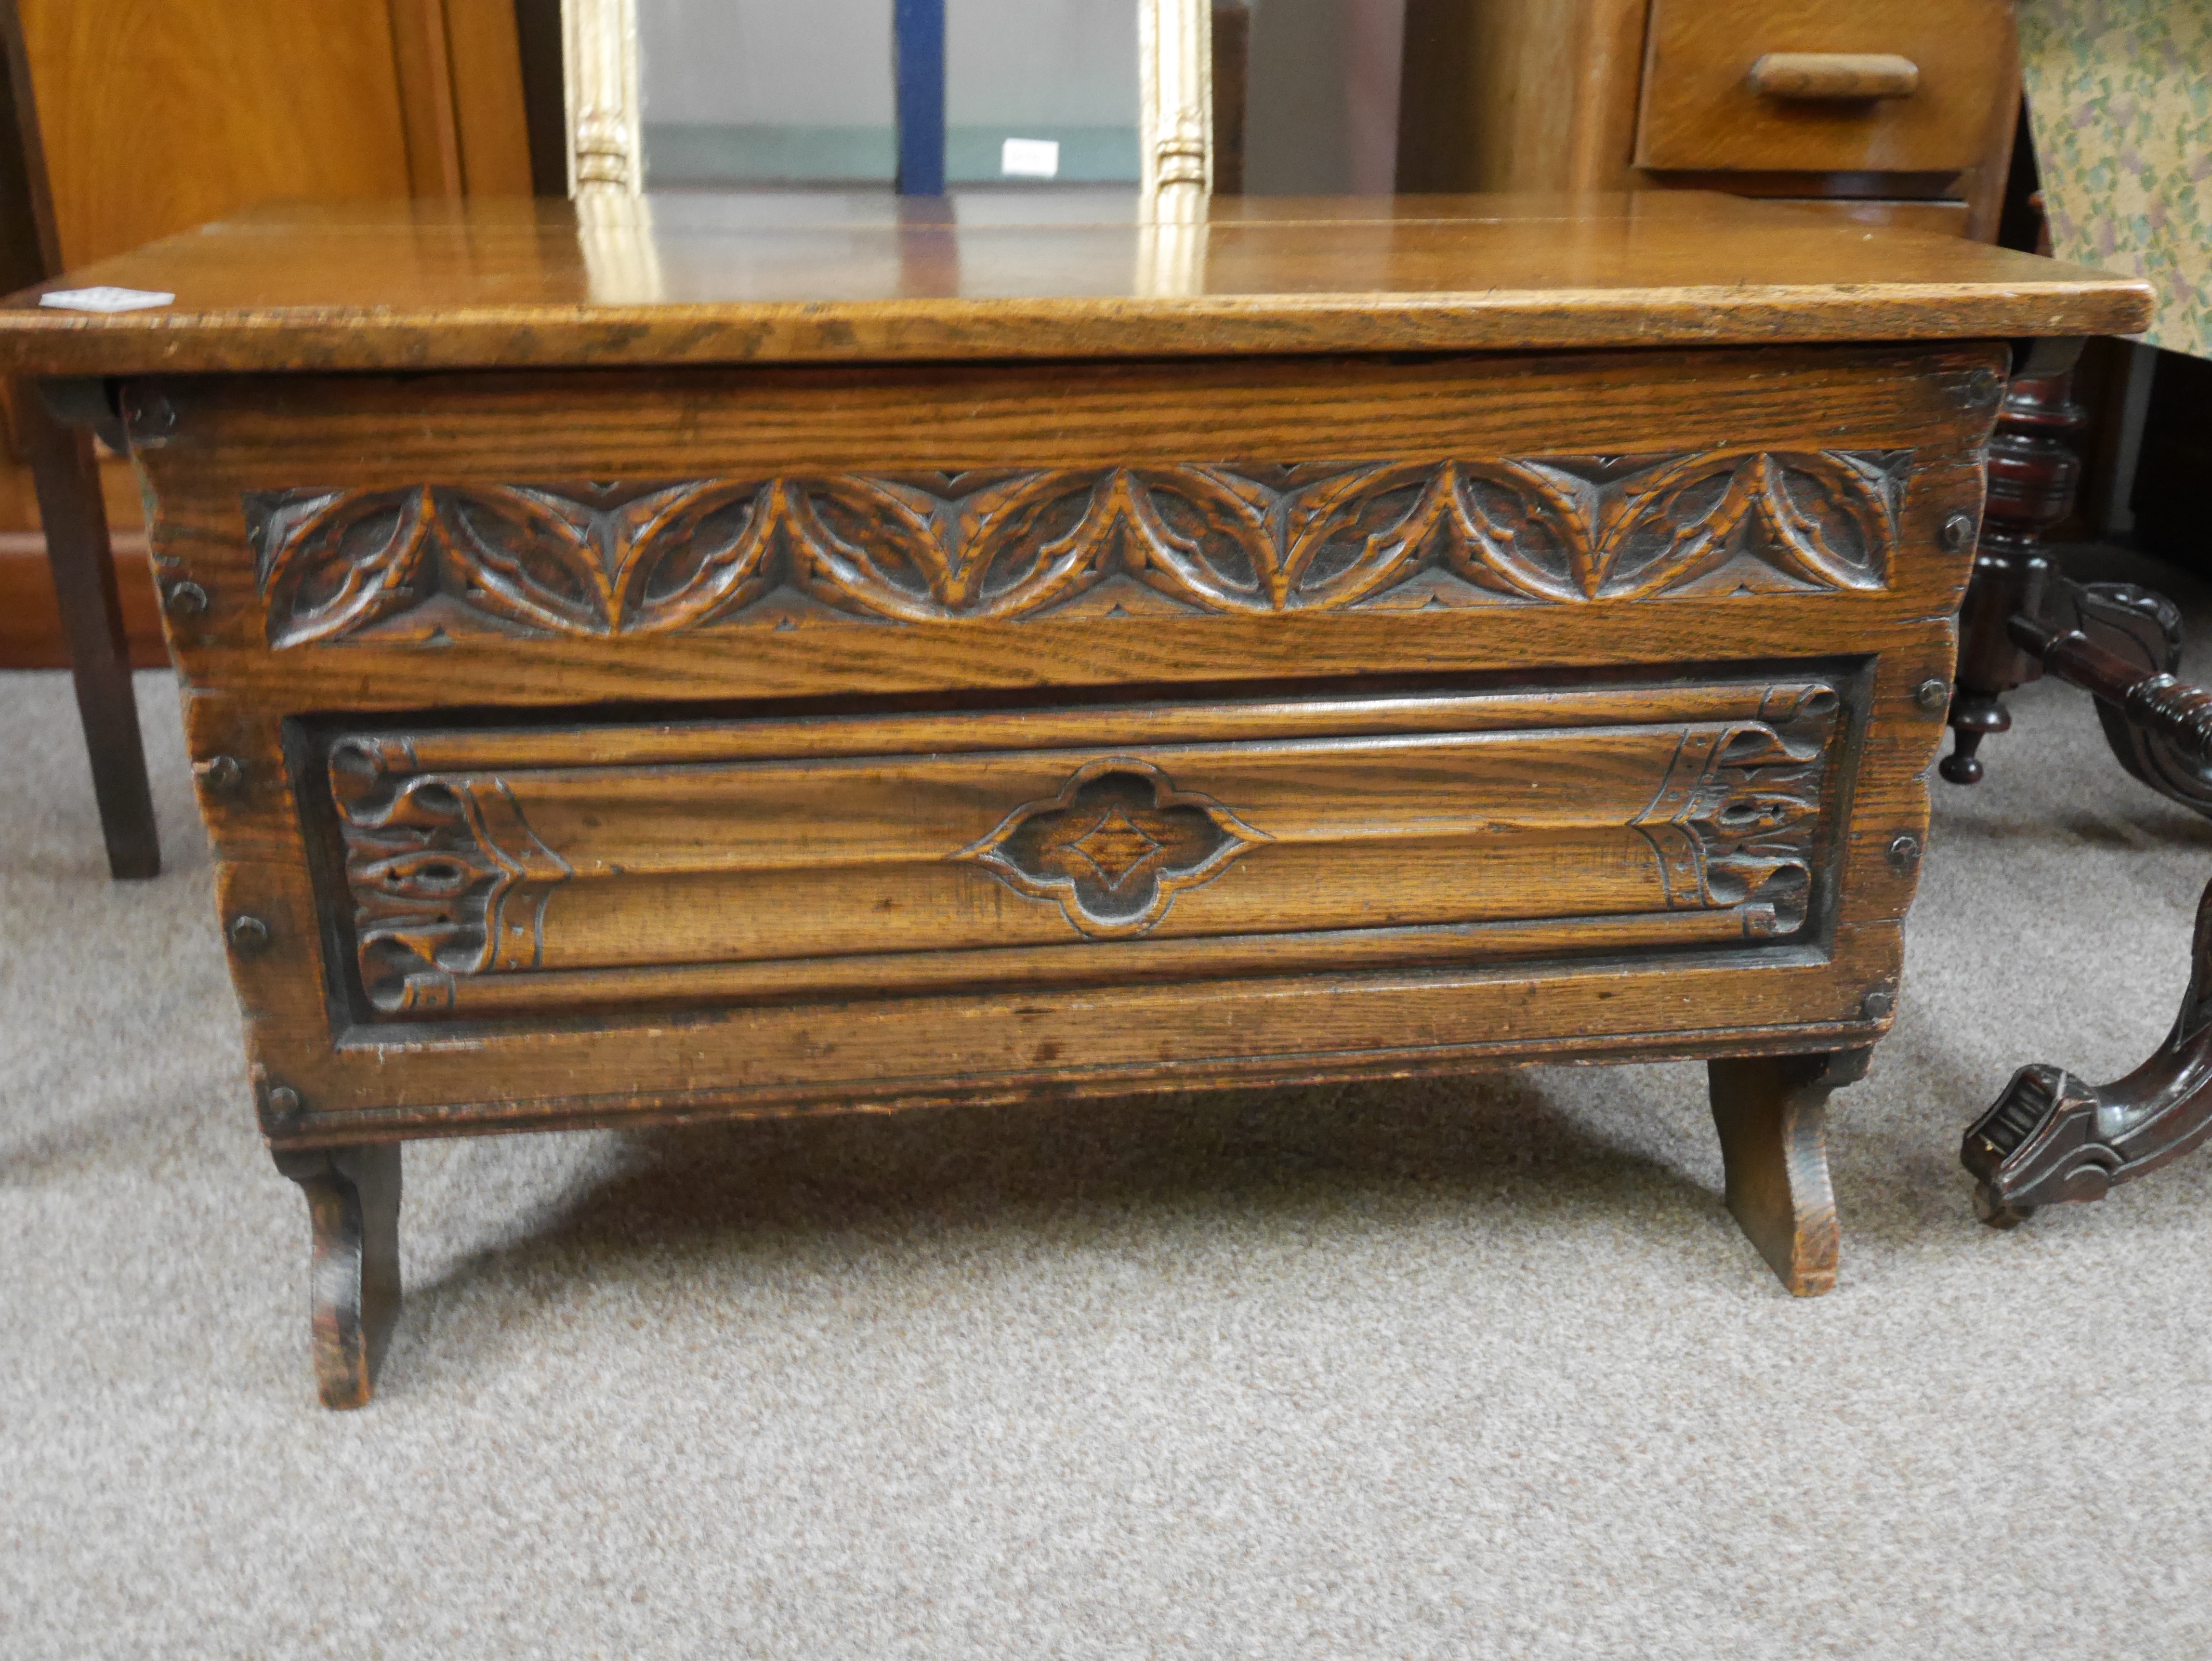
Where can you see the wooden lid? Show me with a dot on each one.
(827, 276)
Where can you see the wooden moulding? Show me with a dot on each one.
(207, 446)
(615, 557)
(1315, 724)
(1031, 849)
(680, 282)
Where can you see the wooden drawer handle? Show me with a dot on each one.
(1835, 75)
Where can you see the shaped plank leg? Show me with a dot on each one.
(1772, 1113)
(353, 1207)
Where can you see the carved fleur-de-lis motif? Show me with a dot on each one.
(447, 876)
(611, 559)
(1733, 822)
(1113, 848)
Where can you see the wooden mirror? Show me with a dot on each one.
(846, 94)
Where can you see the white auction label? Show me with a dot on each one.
(105, 300)
(1029, 158)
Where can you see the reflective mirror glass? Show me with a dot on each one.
(747, 93)
(1041, 91)
(742, 94)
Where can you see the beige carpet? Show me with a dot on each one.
(1463, 1369)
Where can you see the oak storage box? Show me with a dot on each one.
(739, 667)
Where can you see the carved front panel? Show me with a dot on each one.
(491, 871)
(603, 559)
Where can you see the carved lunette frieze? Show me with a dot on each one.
(581, 559)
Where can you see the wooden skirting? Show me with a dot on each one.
(30, 621)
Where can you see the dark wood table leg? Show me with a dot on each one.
(75, 519)
(2050, 1138)
(2034, 474)
(353, 1207)
(2142, 629)
(1772, 1113)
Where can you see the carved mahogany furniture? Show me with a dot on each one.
(2034, 472)
(2049, 1137)
(748, 662)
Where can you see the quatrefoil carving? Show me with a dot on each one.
(1114, 847)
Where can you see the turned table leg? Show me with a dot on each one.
(2032, 477)
(1772, 1113)
(353, 1207)
(2034, 474)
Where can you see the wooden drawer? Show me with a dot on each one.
(1702, 112)
(525, 872)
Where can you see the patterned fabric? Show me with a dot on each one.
(2120, 94)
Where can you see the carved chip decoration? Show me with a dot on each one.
(1113, 848)
(449, 881)
(1734, 820)
(447, 877)
(577, 559)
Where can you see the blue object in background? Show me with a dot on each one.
(918, 82)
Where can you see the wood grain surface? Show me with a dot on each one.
(607, 557)
(1834, 77)
(490, 871)
(705, 280)
(1940, 217)
(158, 116)
(1159, 655)
(748, 973)
(1704, 107)
(1553, 94)
(1771, 1111)
(210, 448)
(1520, 94)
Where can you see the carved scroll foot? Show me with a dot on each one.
(2050, 1138)
(353, 1207)
(1772, 1112)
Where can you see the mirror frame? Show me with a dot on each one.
(1175, 117)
